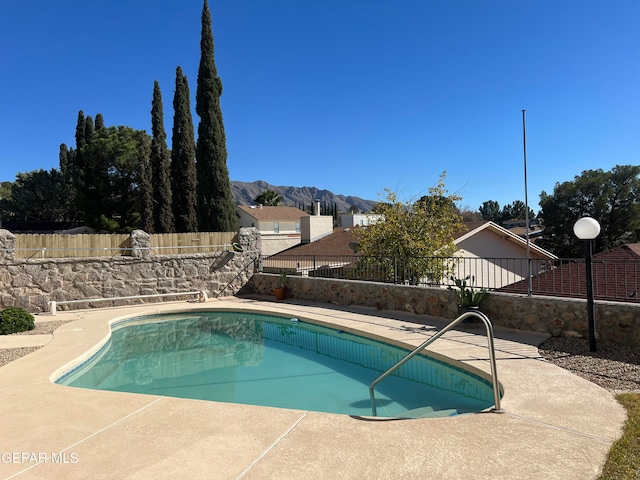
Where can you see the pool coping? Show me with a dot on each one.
(555, 425)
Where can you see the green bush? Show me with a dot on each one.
(13, 320)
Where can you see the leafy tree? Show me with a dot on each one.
(111, 193)
(5, 190)
(490, 211)
(216, 207)
(413, 233)
(38, 194)
(269, 198)
(612, 198)
(515, 211)
(469, 215)
(183, 154)
(160, 167)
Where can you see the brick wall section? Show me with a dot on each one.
(32, 283)
(616, 322)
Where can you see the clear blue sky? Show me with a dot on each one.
(348, 95)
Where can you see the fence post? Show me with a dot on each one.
(7, 245)
(395, 270)
(140, 244)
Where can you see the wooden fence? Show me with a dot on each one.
(199, 242)
(35, 245)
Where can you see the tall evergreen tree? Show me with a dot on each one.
(89, 128)
(113, 185)
(80, 131)
(216, 209)
(183, 154)
(99, 121)
(63, 157)
(77, 166)
(160, 167)
(67, 166)
(146, 183)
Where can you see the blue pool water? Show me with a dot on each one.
(258, 359)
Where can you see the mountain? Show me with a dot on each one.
(245, 192)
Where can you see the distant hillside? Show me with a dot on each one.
(244, 193)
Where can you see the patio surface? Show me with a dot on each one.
(555, 426)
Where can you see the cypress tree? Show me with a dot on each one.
(183, 154)
(146, 183)
(160, 167)
(216, 209)
(80, 131)
(78, 166)
(63, 156)
(67, 159)
(88, 128)
(99, 124)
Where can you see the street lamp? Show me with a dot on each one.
(587, 229)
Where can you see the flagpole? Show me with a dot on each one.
(526, 202)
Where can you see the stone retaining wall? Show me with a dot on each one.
(615, 321)
(32, 283)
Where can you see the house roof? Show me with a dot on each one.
(273, 214)
(340, 242)
(473, 228)
(615, 277)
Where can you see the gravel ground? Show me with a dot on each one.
(614, 367)
(41, 328)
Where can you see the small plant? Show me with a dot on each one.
(468, 296)
(280, 291)
(282, 279)
(13, 320)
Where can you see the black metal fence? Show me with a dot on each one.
(615, 280)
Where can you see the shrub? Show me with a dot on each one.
(14, 320)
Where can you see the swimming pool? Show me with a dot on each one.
(258, 359)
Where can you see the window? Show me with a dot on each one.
(297, 227)
(276, 227)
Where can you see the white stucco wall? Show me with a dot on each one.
(361, 219)
(495, 261)
(315, 227)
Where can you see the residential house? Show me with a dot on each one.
(519, 227)
(359, 219)
(495, 256)
(489, 252)
(284, 227)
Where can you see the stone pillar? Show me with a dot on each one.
(140, 244)
(250, 240)
(7, 246)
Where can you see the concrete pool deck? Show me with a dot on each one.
(555, 425)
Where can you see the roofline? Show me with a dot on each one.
(508, 235)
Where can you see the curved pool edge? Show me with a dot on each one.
(123, 320)
(556, 424)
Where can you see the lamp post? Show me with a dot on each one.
(587, 229)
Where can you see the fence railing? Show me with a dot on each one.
(109, 245)
(616, 280)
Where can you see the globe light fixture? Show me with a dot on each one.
(587, 229)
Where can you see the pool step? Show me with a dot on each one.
(428, 412)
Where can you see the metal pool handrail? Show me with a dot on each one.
(410, 355)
